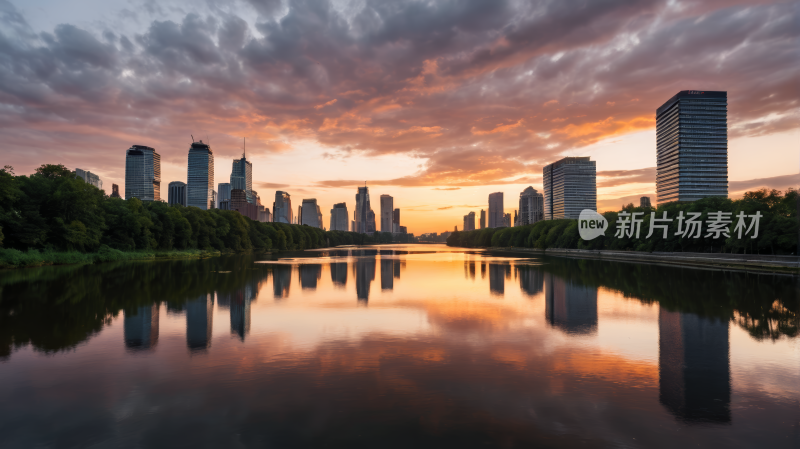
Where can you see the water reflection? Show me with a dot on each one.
(199, 320)
(281, 280)
(309, 275)
(140, 327)
(694, 367)
(339, 273)
(583, 353)
(570, 306)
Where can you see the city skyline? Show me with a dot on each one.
(422, 130)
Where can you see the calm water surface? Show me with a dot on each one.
(397, 347)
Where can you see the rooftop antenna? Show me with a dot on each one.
(244, 147)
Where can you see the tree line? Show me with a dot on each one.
(777, 228)
(53, 210)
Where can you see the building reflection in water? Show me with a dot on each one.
(141, 327)
(569, 306)
(387, 273)
(309, 275)
(199, 319)
(497, 277)
(483, 270)
(364, 268)
(694, 367)
(240, 311)
(281, 280)
(531, 279)
(339, 274)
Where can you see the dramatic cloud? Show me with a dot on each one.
(481, 92)
(613, 178)
(775, 182)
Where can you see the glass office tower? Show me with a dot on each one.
(242, 178)
(692, 146)
(200, 185)
(142, 173)
(570, 186)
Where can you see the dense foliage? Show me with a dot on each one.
(778, 229)
(52, 210)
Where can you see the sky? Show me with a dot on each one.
(437, 103)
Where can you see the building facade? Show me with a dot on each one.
(692, 146)
(242, 178)
(570, 186)
(115, 191)
(483, 219)
(223, 193)
(176, 193)
(142, 173)
(89, 178)
(339, 218)
(496, 217)
(531, 207)
(396, 221)
(362, 212)
(310, 213)
(644, 201)
(469, 222)
(282, 208)
(200, 176)
(387, 213)
(239, 203)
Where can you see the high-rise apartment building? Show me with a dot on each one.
(469, 222)
(692, 146)
(310, 213)
(282, 208)
(176, 193)
(223, 194)
(362, 212)
(483, 219)
(496, 217)
(89, 178)
(200, 185)
(242, 178)
(531, 207)
(387, 212)
(570, 186)
(396, 221)
(339, 218)
(142, 173)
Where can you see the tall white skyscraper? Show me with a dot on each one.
(282, 208)
(310, 213)
(200, 185)
(531, 207)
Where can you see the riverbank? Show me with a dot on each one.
(12, 258)
(747, 262)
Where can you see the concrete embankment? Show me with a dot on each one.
(749, 262)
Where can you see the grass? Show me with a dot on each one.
(12, 258)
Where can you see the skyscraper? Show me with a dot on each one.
(644, 201)
(89, 178)
(396, 221)
(570, 186)
(223, 193)
(483, 219)
(200, 185)
(310, 214)
(239, 203)
(496, 217)
(531, 207)
(371, 228)
(142, 173)
(692, 146)
(282, 208)
(242, 178)
(361, 214)
(339, 218)
(176, 193)
(469, 222)
(115, 191)
(387, 212)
